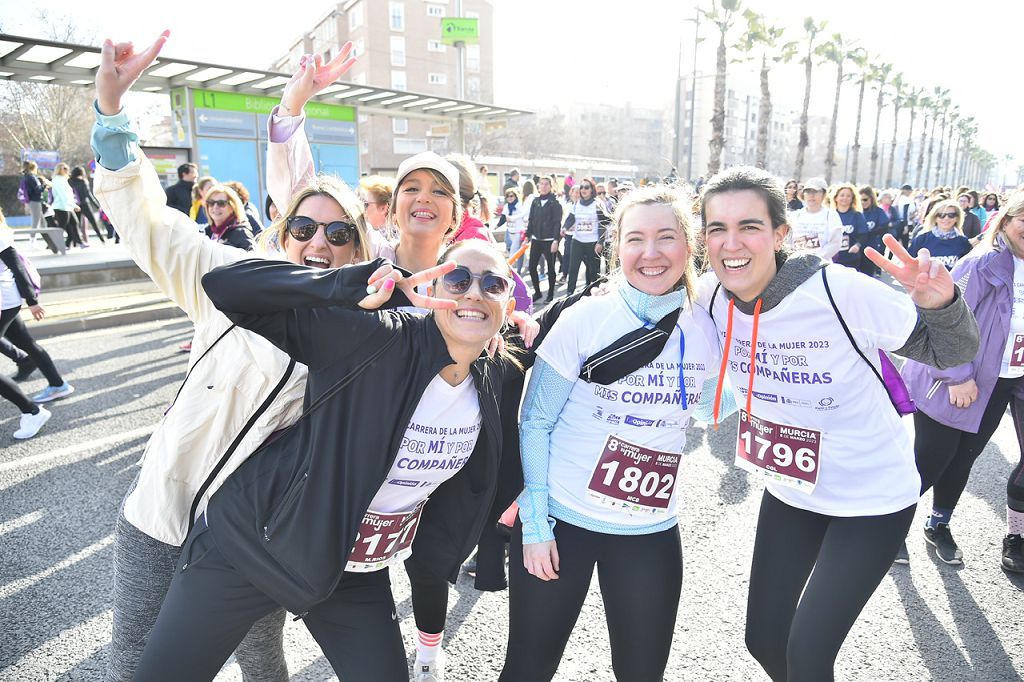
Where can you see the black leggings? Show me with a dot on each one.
(640, 576)
(67, 221)
(542, 249)
(88, 215)
(583, 253)
(429, 599)
(945, 455)
(14, 329)
(797, 637)
(210, 607)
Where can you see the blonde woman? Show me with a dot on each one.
(65, 206)
(856, 234)
(942, 234)
(228, 224)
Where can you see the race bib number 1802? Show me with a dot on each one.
(783, 454)
(634, 479)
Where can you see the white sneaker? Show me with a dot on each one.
(429, 672)
(31, 423)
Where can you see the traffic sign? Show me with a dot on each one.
(459, 30)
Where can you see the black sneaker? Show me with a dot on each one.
(1013, 553)
(25, 369)
(902, 556)
(945, 546)
(537, 296)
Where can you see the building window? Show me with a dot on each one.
(397, 50)
(355, 16)
(399, 81)
(435, 11)
(358, 48)
(473, 88)
(435, 46)
(396, 11)
(437, 78)
(407, 146)
(472, 57)
(400, 126)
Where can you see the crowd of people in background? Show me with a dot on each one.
(409, 289)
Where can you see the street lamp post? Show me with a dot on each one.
(693, 95)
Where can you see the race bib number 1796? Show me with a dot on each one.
(783, 454)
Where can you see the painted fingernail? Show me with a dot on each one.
(389, 285)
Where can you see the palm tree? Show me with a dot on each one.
(861, 60)
(944, 170)
(913, 101)
(764, 38)
(964, 135)
(898, 96)
(925, 104)
(722, 14)
(944, 104)
(938, 94)
(812, 29)
(879, 74)
(837, 53)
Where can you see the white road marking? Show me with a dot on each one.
(74, 453)
(13, 588)
(20, 522)
(76, 644)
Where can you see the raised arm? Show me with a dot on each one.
(289, 157)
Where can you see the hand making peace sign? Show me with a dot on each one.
(927, 281)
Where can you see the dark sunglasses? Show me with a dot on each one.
(222, 203)
(946, 215)
(459, 280)
(338, 233)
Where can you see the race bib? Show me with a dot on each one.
(783, 454)
(1016, 365)
(384, 539)
(634, 479)
(807, 241)
(845, 245)
(586, 228)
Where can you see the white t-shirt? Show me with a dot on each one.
(820, 233)
(585, 227)
(9, 296)
(437, 443)
(1013, 355)
(643, 408)
(808, 377)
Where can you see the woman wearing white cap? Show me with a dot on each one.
(815, 228)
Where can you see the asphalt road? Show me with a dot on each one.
(59, 495)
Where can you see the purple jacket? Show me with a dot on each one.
(986, 281)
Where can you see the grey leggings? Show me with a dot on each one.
(143, 569)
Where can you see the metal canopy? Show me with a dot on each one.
(44, 61)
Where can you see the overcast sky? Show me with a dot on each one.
(547, 51)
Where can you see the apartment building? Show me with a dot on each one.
(398, 45)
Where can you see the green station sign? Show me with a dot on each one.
(459, 30)
(260, 104)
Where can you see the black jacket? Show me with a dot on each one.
(86, 199)
(179, 196)
(545, 221)
(287, 518)
(237, 236)
(9, 257)
(33, 187)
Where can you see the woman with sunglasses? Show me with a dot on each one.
(603, 430)
(587, 221)
(941, 234)
(801, 343)
(228, 224)
(240, 388)
(390, 459)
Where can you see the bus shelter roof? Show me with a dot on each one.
(45, 61)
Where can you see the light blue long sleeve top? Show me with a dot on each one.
(113, 140)
(546, 396)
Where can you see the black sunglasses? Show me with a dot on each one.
(338, 233)
(223, 203)
(946, 215)
(459, 280)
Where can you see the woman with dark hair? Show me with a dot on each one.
(976, 207)
(842, 484)
(971, 226)
(34, 186)
(793, 202)
(587, 222)
(543, 229)
(878, 224)
(87, 201)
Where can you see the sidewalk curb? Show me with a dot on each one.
(45, 330)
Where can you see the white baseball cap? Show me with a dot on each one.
(431, 161)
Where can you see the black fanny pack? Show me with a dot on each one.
(628, 353)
